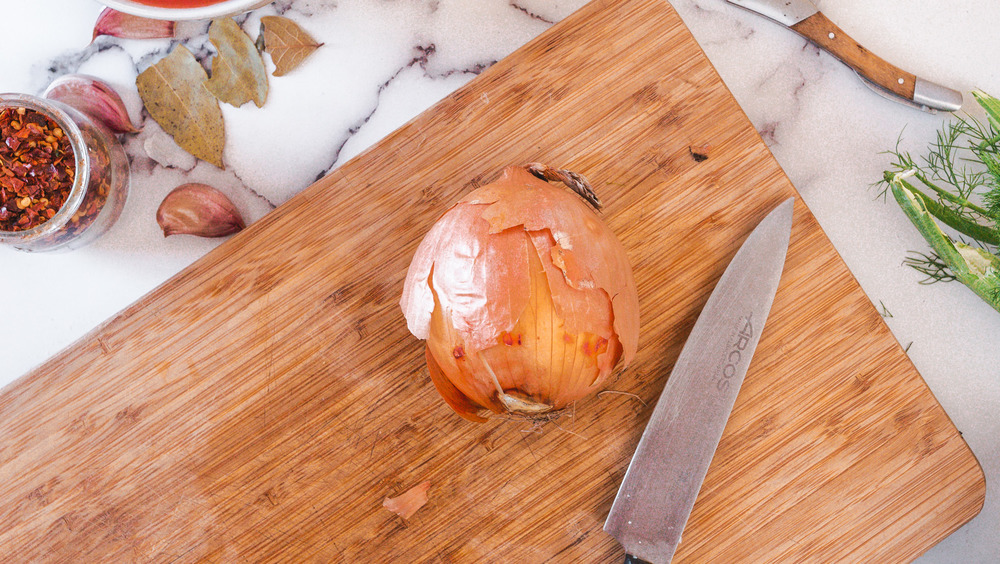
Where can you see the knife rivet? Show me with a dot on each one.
(901, 81)
(832, 35)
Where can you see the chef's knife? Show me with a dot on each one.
(673, 455)
(804, 18)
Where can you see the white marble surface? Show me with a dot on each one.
(385, 61)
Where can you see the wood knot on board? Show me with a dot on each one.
(270, 497)
(130, 415)
(42, 494)
(647, 94)
(700, 154)
(862, 382)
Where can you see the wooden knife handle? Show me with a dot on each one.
(821, 31)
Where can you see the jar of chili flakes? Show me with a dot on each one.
(63, 176)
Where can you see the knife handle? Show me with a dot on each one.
(821, 31)
(629, 559)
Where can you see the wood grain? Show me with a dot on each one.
(823, 32)
(260, 405)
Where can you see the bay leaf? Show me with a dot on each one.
(238, 73)
(287, 43)
(174, 93)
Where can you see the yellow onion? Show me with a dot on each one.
(524, 295)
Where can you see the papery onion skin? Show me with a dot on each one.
(525, 297)
(409, 502)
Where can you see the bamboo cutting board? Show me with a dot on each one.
(261, 404)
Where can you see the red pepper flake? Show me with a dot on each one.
(37, 167)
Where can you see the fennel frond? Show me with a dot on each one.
(957, 184)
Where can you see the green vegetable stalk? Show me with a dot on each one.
(958, 185)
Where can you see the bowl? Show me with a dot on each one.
(219, 9)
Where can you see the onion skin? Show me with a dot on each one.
(525, 297)
(409, 502)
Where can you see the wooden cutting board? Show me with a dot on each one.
(261, 404)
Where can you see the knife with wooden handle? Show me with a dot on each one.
(885, 78)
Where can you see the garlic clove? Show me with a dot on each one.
(118, 24)
(94, 98)
(198, 209)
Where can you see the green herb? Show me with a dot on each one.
(957, 185)
(885, 311)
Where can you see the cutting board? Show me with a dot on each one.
(260, 405)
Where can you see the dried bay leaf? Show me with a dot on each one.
(286, 42)
(174, 93)
(238, 73)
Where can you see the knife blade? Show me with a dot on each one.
(672, 458)
(884, 78)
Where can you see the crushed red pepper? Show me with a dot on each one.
(37, 168)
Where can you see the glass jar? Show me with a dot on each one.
(100, 184)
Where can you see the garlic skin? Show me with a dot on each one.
(198, 209)
(93, 97)
(162, 148)
(126, 26)
(525, 297)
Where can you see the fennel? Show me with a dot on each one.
(957, 185)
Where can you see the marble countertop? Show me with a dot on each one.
(385, 62)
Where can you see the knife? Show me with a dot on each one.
(888, 80)
(662, 481)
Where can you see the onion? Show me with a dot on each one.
(525, 297)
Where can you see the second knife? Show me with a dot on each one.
(805, 19)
